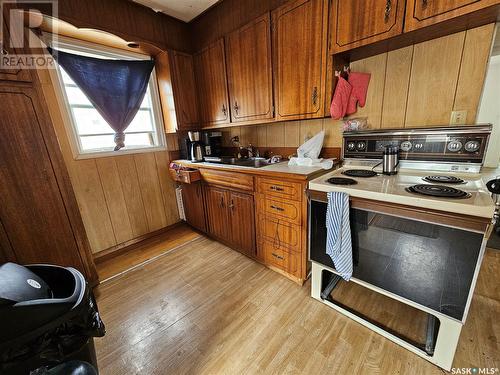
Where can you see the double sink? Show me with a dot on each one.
(248, 162)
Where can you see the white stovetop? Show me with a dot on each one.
(392, 189)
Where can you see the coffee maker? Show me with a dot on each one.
(212, 144)
(195, 149)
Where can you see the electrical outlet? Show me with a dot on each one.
(458, 118)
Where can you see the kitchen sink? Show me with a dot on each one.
(249, 162)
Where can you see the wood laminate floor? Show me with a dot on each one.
(205, 309)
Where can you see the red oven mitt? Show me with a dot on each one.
(359, 83)
(340, 99)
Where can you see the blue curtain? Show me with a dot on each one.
(116, 88)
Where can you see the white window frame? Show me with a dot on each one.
(69, 122)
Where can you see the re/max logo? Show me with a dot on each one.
(475, 370)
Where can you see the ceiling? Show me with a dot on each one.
(184, 10)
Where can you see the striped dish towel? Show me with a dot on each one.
(338, 233)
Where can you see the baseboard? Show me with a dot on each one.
(124, 247)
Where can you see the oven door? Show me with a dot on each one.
(430, 258)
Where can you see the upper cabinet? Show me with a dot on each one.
(361, 22)
(184, 86)
(422, 13)
(249, 71)
(299, 35)
(211, 79)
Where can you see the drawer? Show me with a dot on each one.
(280, 188)
(280, 233)
(233, 180)
(186, 176)
(284, 209)
(279, 257)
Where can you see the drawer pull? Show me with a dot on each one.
(277, 208)
(276, 188)
(277, 256)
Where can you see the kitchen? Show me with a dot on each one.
(205, 247)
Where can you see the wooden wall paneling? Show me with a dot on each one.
(473, 68)
(115, 198)
(92, 202)
(132, 192)
(397, 79)
(434, 76)
(249, 71)
(129, 20)
(292, 134)
(300, 72)
(150, 190)
(333, 132)
(309, 128)
(376, 66)
(249, 135)
(167, 187)
(276, 135)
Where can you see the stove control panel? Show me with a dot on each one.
(466, 143)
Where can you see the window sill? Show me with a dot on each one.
(107, 154)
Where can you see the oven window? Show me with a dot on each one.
(430, 264)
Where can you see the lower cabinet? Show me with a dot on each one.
(231, 218)
(194, 208)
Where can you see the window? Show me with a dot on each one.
(91, 133)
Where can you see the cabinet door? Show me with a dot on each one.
(242, 220)
(249, 70)
(422, 13)
(210, 73)
(184, 88)
(14, 74)
(360, 22)
(299, 34)
(194, 208)
(33, 213)
(217, 213)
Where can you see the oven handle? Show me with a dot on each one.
(463, 222)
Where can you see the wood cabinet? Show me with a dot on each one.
(194, 206)
(217, 214)
(231, 218)
(299, 42)
(39, 214)
(242, 222)
(249, 71)
(422, 13)
(211, 79)
(361, 22)
(184, 90)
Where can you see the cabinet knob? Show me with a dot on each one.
(277, 208)
(224, 110)
(277, 256)
(424, 3)
(388, 8)
(236, 107)
(231, 204)
(276, 188)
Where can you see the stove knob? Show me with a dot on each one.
(406, 146)
(472, 146)
(351, 146)
(454, 146)
(361, 145)
(419, 146)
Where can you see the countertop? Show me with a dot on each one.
(278, 169)
(392, 189)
